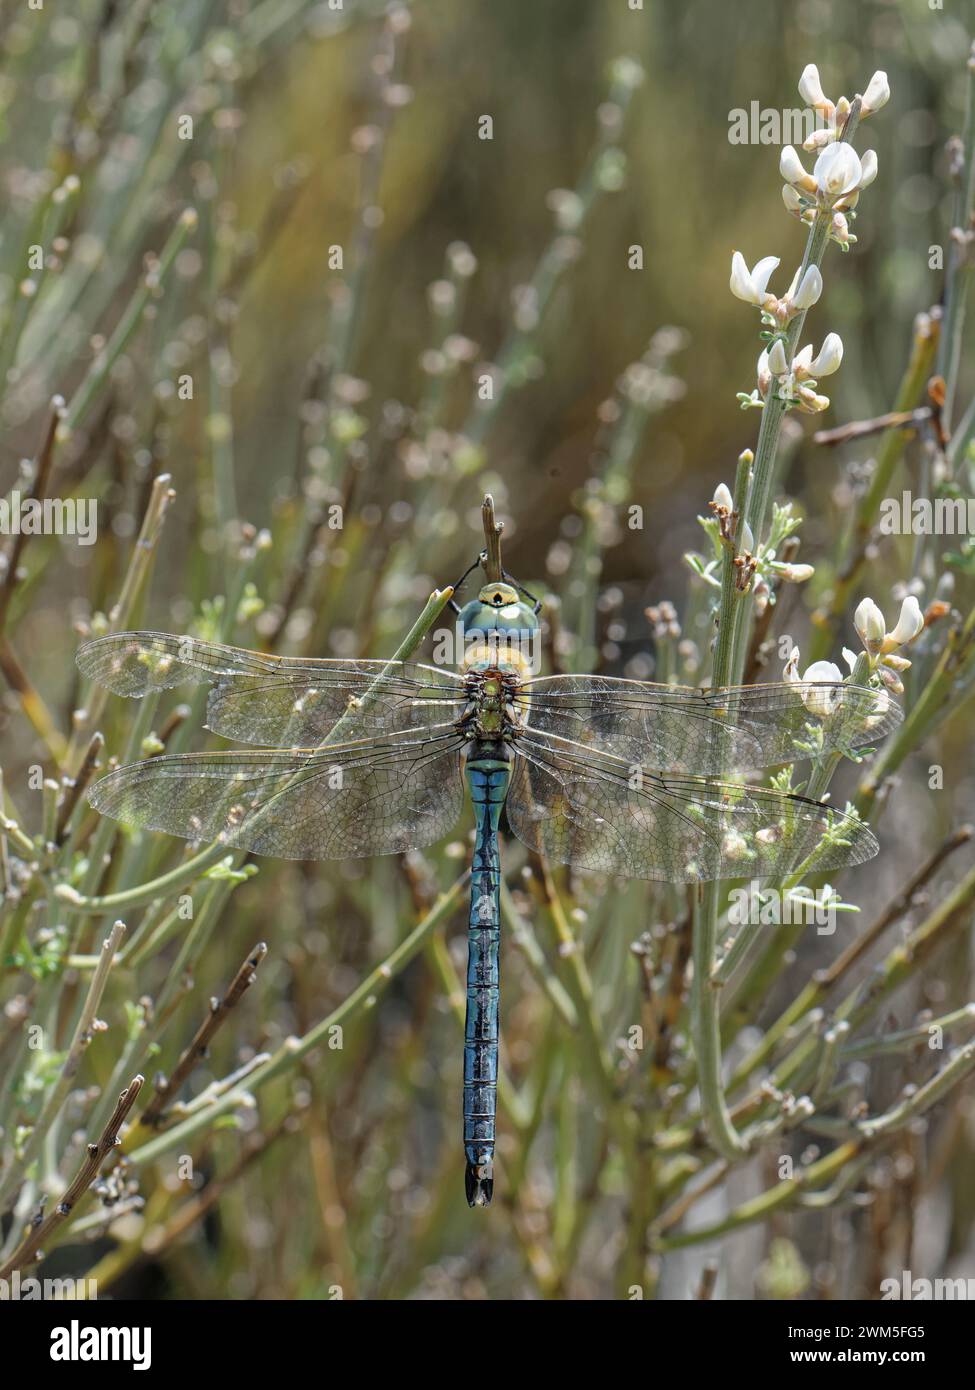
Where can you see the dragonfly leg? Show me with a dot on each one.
(488, 781)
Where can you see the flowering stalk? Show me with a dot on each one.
(822, 199)
(775, 407)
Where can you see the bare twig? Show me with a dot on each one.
(74, 786)
(154, 1113)
(30, 1248)
(492, 540)
(861, 429)
(36, 493)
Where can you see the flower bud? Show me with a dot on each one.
(811, 90)
(877, 93)
(750, 285)
(871, 628)
(791, 169)
(829, 357)
(868, 168)
(810, 288)
(777, 360)
(909, 624)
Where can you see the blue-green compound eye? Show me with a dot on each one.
(498, 608)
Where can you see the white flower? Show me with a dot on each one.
(909, 624)
(876, 95)
(810, 288)
(834, 115)
(868, 169)
(828, 358)
(723, 498)
(811, 90)
(777, 361)
(750, 285)
(837, 172)
(792, 170)
(793, 203)
(821, 137)
(871, 628)
(747, 539)
(823, 700)
(822, 671)
(881, 645)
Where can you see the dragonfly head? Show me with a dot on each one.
(479, 1181)
(499, 630)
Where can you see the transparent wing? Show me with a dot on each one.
(374, 797)
(590, 810)
(675, 728)
(287, 701)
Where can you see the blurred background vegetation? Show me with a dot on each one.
(312, 386)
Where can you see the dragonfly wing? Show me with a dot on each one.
(264, 699)
(711, 732)
(375, 797)
(592, 811)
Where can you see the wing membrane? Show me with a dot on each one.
(711, 732)
(589, 810)
(265, 699)
(352, 800)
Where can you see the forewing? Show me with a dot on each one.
(711, 732)
(260, 698)
(592, 811)
(344, 803)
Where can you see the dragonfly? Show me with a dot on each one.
(357, 757)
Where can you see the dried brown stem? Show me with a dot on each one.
(861, 429)
(492, 540)
(154, 1114)
(37, 490)
(31, 1248)
(74, 786)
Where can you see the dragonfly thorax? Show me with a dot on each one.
(491, 714)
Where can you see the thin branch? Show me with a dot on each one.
(492, 540)
(154, 1113)
(31, 1247)
(38, 488)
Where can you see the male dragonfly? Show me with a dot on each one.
(362, 757)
